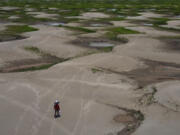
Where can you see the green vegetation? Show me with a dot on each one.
(114, 36)
(111, 19)
(70, 13)
(31, 20)
(148, 98)
(113, 33)
(76, 7)
(41, 67)
(22, 15)
(130, 12)
(43, 54)
(124, 7)
(122, 30)
(168, 28)
(81, 29)
(94, 70)
(18, 29)
(12, 32)
(4, 16)
(159, 21)
(32, 49)
(106, 49)
(48, 59)
(67, 20)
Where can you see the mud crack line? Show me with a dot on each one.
(132, 119)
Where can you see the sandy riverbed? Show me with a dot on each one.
(91, 99)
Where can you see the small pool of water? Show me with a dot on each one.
(113, 9)
(56, 23)
(178, 16)
(97, 25)
(101, 44)
(148, 24)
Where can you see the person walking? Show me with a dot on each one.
(56, 109)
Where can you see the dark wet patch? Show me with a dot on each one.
(13, 32)
(31, 64)
(5, 14)
(141, 22)
(148, 98)
(132, 119)
(101, 44)
(162, 28)
(80, 30)
(123, 118)
(90, 42)
(171, 44)
(155, 72)
(9, 37)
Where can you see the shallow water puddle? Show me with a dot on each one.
(55, 23)
(97, 25)
(148, 24)
(113, 9)
(178, 16)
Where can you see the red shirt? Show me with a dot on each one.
(56, 107)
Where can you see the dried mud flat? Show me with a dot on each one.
(96, 96)
(155, 72)
(172, 44)
(31, 64)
